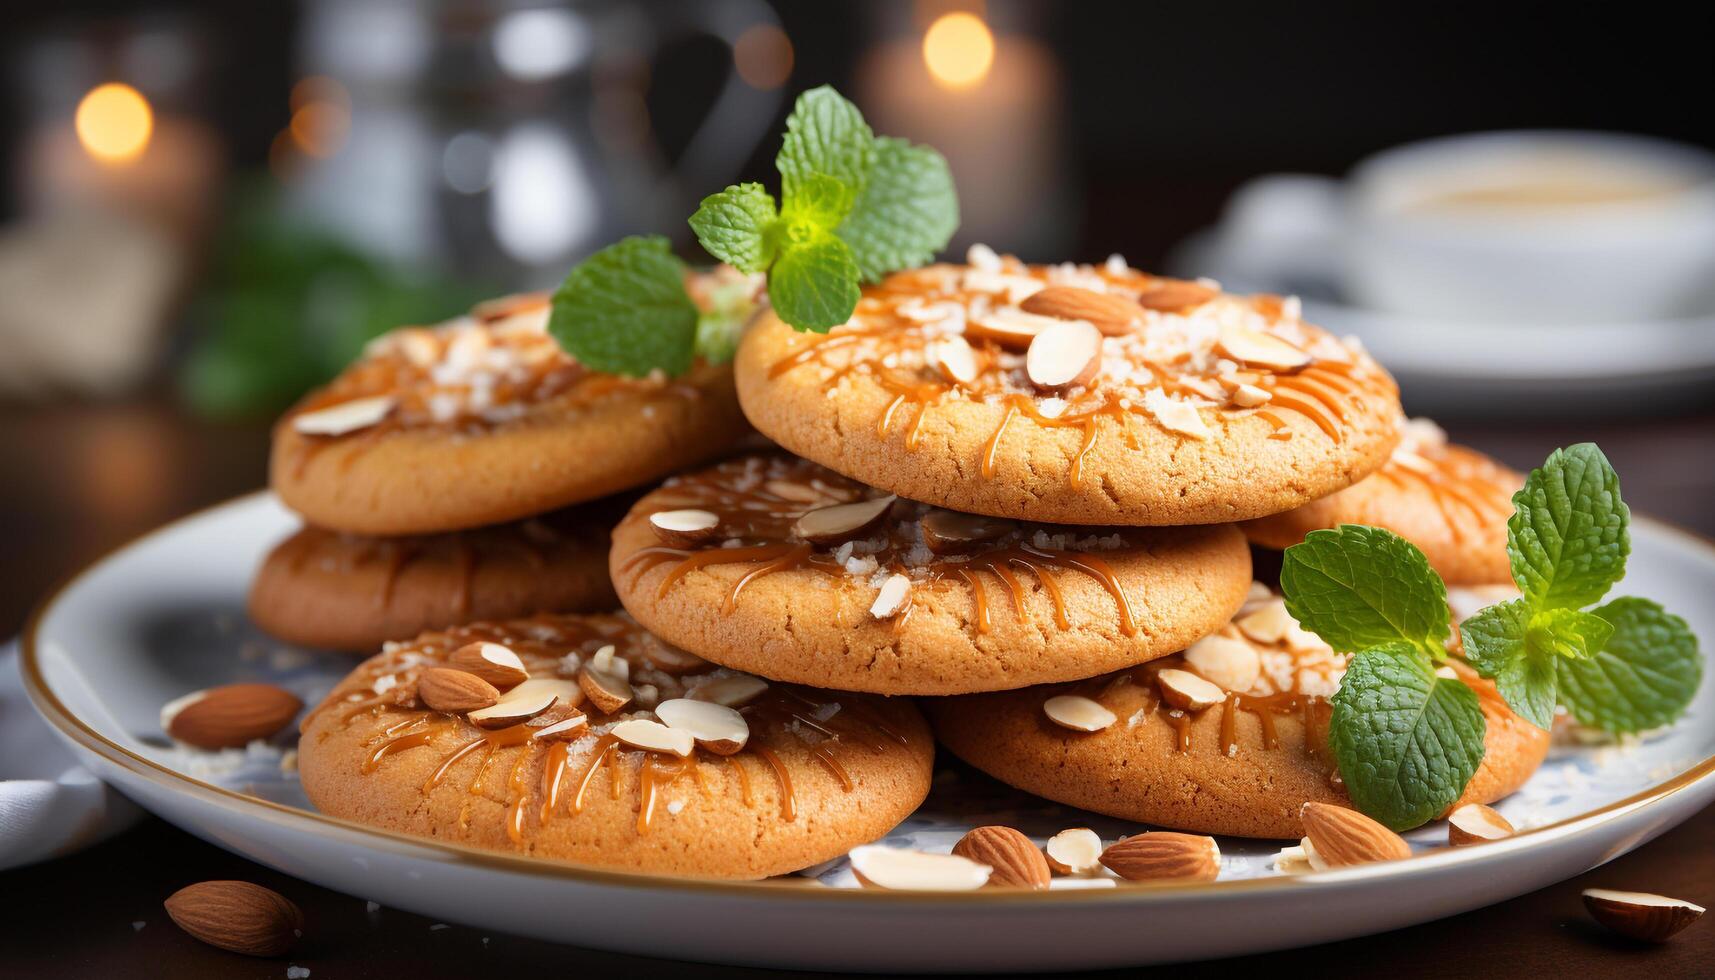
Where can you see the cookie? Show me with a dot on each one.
(321, 588)
(1241, 766)
(783, 568)
(483, 420)
(1073, 394)
(618, 751)
(1450, 501)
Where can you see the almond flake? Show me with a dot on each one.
(841, 522)
(716, 727)
(879, 866)
(895, 593)
(734, 691)
(1230, 664)
(1254, 348)
(681, 528)
(1065, 355)
(955, 359)
(652, 736)
(1185, 690)
(1074, 852)
(1268, 624)
(1078, 713)
(337, 420)
(1174, 414)
(1250, 396)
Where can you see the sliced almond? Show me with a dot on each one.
(1065, 355)
(1164, 856)
(606, 689)
(841, 522)
(1221, 660)
(1017, 863)
(337, 420)
(608, 661)
(1009, 327)
(493, 662)
(1640, 915)
(521, 704)
(716, 727)
(1268, 623)
(454, 691)
(1254, 348)
(1185, 690)
(668, 658)
(684, 528)
(954, 358)
(879, 866)
(1344, 837)
(652, 736)
(734, 691)
(1111, 313)
(1250, 396)
(1078, 713)
(797, 493)
(893, 596)
(1292, 860)
(949, 530)
(1015, 288)
(564, 729)
(1074, 852)
(1475, 823)
(1173, 295)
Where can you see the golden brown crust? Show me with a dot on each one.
(1137, 770)
(700, 823)
(812, 624)
(336, 591)
(1135, 470)
(1456, 511)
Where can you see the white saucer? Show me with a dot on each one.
(164, 616)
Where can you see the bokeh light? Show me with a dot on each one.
(114, 122)
(958, 50)
(762, 56)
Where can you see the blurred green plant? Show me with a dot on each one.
(285, 307)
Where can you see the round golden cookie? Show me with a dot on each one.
(337, 591)
(482, 420)
(818, 774)
(1242, 767)
(1450, 501)
(914, 600)
(1201, 407)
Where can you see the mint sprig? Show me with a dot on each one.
(624, 310)
(854, 207)
(1406, 738)
(1623, 667)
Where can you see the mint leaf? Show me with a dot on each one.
(1406, 740)
(1495, 635)
(1642, 678)
(624, 310)
(907, 212)
(737, 226)
(1520, 649)
(1358, 587)
(1529, 684)
(1567, 537)
(821, 203)
(814, 284)
(825, 134)
(726, 307)
(1568, 633)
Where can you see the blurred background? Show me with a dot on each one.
(207, 208)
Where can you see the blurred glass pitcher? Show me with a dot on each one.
(506, 140)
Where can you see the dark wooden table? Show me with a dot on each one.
(81, 480)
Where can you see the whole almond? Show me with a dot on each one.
(1112, 313)
(454, 691)
(1017, 863)
(237, 916)
(1173, 295)
(1346, 837)
(493, 662)
(230, 717)
(1164, 856)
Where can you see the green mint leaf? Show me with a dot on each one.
(624, 310)
(1567, 537)
(1642, 678)
(907, 212)
(821, 203)
(825, 134)
(814, 283)
(1357, 587)
(1568, 633)
(1406, 740)
(737, 226)
(1498, 644)
(728, 307)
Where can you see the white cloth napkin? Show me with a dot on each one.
(49, 805)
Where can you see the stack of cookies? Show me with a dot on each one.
(1016, 497)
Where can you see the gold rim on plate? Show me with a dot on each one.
(57, 714)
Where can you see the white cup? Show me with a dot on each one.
(1504, 227)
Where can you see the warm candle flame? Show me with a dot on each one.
(114, 123)
(958, 49)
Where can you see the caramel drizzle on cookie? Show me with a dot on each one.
(756, 523)
(1326, 392)
(545, 774)
(1469, 489)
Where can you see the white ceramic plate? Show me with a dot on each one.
(165, 616)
